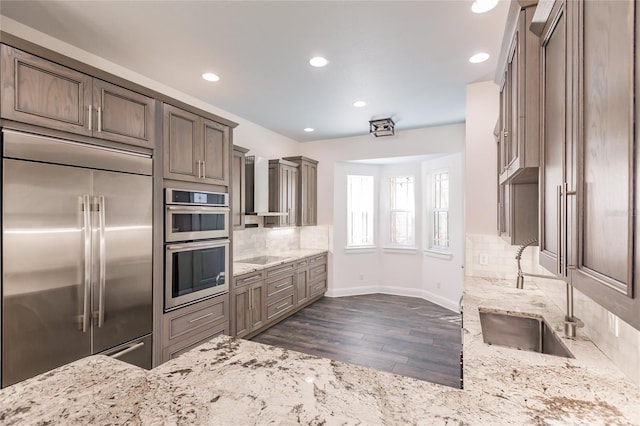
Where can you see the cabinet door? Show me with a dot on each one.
(514, 72)
(241, 315)
(307, 193)
(554, 117)
(40, 92)
(122, 115)
(181, 144)
(237, 189)
(292, 196)
(607, 143)
(258, 306)
(302, 282)
(215, 153)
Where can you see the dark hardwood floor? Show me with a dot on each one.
(403, 335)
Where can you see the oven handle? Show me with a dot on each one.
(217, 243)
(190, 209)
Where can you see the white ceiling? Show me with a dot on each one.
(407, 59)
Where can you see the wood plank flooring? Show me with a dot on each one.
(403, 335)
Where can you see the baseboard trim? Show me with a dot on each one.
(452, 305)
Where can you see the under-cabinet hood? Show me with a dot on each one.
(257, 187)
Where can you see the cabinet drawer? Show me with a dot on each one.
(193, 319)
(279, 306)
(279, 286)
(318, 287)
(281, 269)
(321, 258)
(249, 278)
(177, 349)
(317, 271)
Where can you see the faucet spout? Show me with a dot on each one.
(571, 323)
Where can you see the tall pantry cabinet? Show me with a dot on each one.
(590, 70)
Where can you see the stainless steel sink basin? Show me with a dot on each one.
(527, 333)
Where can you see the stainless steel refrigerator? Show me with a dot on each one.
(76, 254)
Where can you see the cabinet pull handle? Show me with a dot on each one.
(252, 279)
(90, 116)
(99, 119)
(559, 230)
(251, 299)
(282, 284)
(204, 169)
(201, 318)
(282, 306)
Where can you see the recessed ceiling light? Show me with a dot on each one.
(209, 76)
(309, 129)
(359, 104)
(482, 6)
(318, 61)
(479, 57)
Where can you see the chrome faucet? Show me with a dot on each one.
(571, 323)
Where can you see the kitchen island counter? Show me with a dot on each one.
(238, 382)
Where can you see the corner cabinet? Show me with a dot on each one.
(40, 92)
(517, 131)
(238, 187)
(195, 149)
(589, 228)
(307, 194)
(283, 193)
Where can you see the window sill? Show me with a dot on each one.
(401, 250)
(361, 249)
(437, 254)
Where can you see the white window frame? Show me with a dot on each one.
(392, 210)
(436, 208)
(367, 212)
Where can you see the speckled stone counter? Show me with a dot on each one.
(238, 382)
(240, 267)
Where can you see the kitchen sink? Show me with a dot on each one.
(521, 331)
(263, 260)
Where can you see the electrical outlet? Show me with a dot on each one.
(484, 259)
(438, 285)
(361, 277)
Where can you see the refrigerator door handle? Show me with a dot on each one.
(86, 210)
(103, 257)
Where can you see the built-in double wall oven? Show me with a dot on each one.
(196, 246)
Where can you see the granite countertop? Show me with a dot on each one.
(240, 267)
(239, 382)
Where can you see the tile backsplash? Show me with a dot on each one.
(490, 256)
(252, 242)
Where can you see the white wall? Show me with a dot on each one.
(483, 104)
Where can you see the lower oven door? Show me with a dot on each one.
(195, 271)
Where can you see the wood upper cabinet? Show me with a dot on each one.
(517, 133)
(40, 92)
(238, 187)
(520, 100)
(307, 192)
(195, 149)
(283, 193)
(590, 167)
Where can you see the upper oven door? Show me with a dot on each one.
(185, 223)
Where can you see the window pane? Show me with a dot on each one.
(359, 210)
(440, 210)
(401, 210)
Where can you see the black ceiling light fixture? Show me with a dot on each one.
(382, 127)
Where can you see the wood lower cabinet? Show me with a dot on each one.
(307, 191)
(248, 303)
(40, 92)
(590, 87)
(259, 299)
(238, 187)
(195, 149)
(188, 327)
(283, 193)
